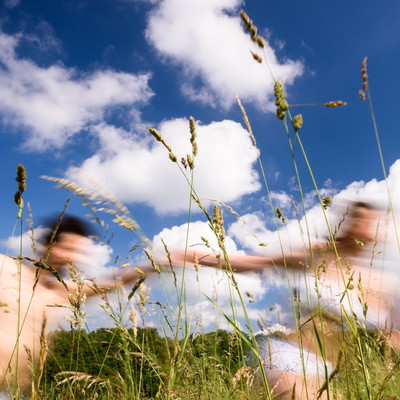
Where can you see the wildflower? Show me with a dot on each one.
(297, 122)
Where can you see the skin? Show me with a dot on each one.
(31, 297)
(377, 288)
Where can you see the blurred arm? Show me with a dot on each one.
(238, 263)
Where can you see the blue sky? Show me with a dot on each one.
(82, 81)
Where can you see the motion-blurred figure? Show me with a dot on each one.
(28, 296)
(342, 273)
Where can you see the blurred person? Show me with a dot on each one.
(29, 295)
(342, 270)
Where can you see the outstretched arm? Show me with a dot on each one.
(94, 286)
(238, 263)
(121, 278)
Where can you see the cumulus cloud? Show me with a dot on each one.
(255, 229)
(276, 282)
(138, 170)
(177, 236)
(209, 283)
(206, 39)
(54, 103)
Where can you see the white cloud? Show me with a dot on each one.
(94, 263)
(209, 283)
(54, 103)
(281, 199)
(175, 237)
(23, 244)
(206, 39)
(256, 230)
(137, 169)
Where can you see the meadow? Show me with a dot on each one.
(177, 362)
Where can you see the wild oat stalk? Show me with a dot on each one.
(18, 198)
(365, 95)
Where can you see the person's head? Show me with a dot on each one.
(360, 223)
(65, 241)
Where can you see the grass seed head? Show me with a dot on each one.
(219, 223)
(283, 105)
(190, 161)
(133, 319)
(336, 103)
(326, 202)
(18, 199)
(156, 134)
(256, 57)
(193, 135)
(172, 157)
(260, 41)
(21, 178)
(184, 162)
(278, 87)
(361, 94)
(248, 23)
(280, 215)
(364, 75)
(153, 263)
(297, 122)
(280, 101)
(280, 114)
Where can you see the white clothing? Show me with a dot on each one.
(282, 355)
